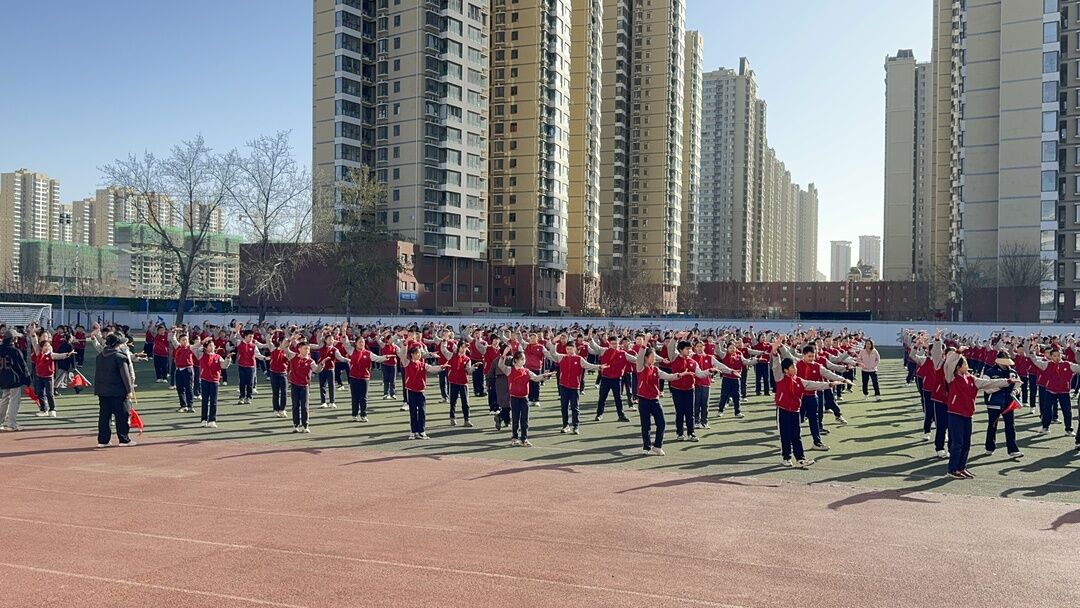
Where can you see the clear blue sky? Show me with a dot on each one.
(91, 81)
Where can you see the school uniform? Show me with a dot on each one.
(518, 380)
(1058, 379)
(184, 380)
(300, 372)
(245, 362)
(682, 394)
(211, 366)
(534, 362)
(611, 380)
(458, 379)
(44, 369)
(279, 371)
(416, 383)
(160, 351)
(790, 391)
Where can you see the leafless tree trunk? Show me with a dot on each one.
(362, 264)
(1021, 265)
(179, 198)
(272, 198)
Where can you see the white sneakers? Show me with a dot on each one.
(1016, 455)
(805, 463)
(658, 451)
(515, 443)
(565, 429)
(212, 424)
(926, 437)
(42, 414)
(941, 454)
(404, 407)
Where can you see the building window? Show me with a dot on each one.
(1049, 181)
(1050, 91)
(1076, 243)
(1049, 121)
(1050, 62)
(1050, 32)
(1046, 237)
(1049, 211)
(1049, 151)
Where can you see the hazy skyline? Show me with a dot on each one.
(93, 82)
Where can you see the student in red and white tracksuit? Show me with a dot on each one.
(648, 392)
(416, 371)
(611, 376)
(211, 366)
(518, 379)
(682, 388)
(735, 364)
(1057, 375)
(301, 368)
(788, 396)
(184, 366)
(571, 373)
(963, 389)
(460, 366)
(359, 362)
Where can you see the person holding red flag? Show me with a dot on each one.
(1001, 404)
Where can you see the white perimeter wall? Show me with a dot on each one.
(884, 333)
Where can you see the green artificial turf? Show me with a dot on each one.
(881, 448)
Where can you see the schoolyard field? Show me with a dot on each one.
(355, 514)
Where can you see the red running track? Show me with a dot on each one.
(183, 524)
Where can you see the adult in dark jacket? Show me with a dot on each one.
(112, 385)
(997, 401)
(13, 378)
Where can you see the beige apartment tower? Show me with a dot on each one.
(530, 154)
(908, 160)
(691, 166)
(992, 122)
(806, 234)
(402, 88)
(732, 137)
(642, 147)
(583, 244)
(29, 204)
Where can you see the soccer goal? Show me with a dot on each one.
(16, 314)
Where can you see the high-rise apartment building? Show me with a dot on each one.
(530, 154)
(806, 234)
(586, 67)
(997, 119)
(691, 146)
(870, 252)
(747, 196)
(730, 130)
(642, 137)
(1061, 91)
(93, 217)
(29, 206)
(62, 230)
(839, 260)
(402, 88)
(908, 188)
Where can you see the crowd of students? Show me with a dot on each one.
(806, 373)
(950, 372)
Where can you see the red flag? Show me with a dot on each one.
(1012, 407)
(135, 421)
(79, 381)
(33, 396)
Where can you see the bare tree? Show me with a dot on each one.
(624, 294)
(272, 198)
(1021, 265)
(365, 259)
(179, 197)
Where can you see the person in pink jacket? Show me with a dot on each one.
(868, 360)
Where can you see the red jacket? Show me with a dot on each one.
(571, 372)
(648, 383)
(518, 381)
(962, 393)
(679, 365)
(789, 393)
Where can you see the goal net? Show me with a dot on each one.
(14, 314)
